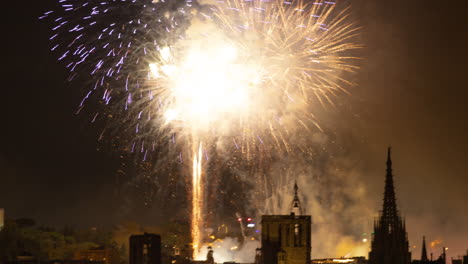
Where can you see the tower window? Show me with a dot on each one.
(297, 235)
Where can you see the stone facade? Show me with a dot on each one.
(286, 239)
(145, 249)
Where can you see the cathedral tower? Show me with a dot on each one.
(390, 240)
(286, 239)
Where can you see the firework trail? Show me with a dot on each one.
(241, 74)
(197, 199)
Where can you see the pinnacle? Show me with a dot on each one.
(389, 212)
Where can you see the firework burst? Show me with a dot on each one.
(160, 78)
(252, 72)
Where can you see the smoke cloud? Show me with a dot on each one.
(331, 191)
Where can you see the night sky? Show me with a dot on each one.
(411, 94)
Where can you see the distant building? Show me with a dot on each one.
(390, 240)
(145, 249)
(425, 260)
(460, 259)
(286, 239)
(104, 256)
(353, 260)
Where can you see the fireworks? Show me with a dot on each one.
(197, 199)
(244, 73)
(205, 85)
(300, 44)
(251, 69)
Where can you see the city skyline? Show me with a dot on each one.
(409, 94)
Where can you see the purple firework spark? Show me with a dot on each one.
(106, 42)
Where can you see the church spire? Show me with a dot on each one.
(424, 251)
(389, 212)
(296, 208)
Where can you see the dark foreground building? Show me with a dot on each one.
(104, 255)
(286, 239)
(145, 249)
(390, 240)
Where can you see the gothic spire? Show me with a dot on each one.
(389, 212)
(390, 240)
(296, 208)
(424, 251)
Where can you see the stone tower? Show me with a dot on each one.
(296, 207)
(390, 240)
(145, 249)
(286, 239)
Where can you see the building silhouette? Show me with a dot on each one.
(286, 239)
(352, 260)
(98, 255)
(390, 240)
(424, 251)
(145, 249)
(426, 260)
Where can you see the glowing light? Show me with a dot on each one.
(154, 70)
(343, 260)
(165, 53)
(206, 85)
(435, 242)
(169, 70)
(170, 115)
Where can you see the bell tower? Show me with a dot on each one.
(296, 208)
(286, 239)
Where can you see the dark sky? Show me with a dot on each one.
(411, 93)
